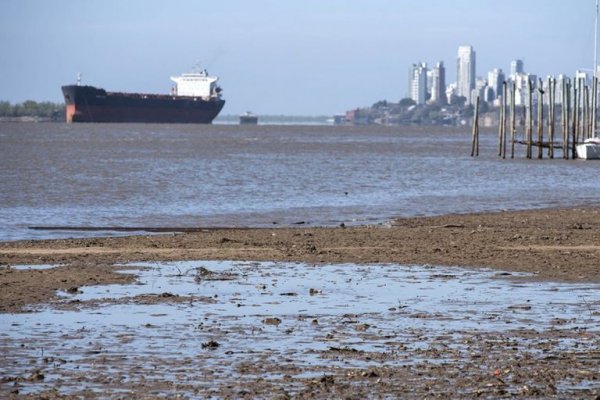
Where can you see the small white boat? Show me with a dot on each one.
(248, 119)
(589, 149)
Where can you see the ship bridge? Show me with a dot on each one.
(196, 84)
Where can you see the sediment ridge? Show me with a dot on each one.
(551, 244)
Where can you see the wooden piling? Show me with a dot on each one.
(540, 118)
(501, 124)
(585, 110)
(523, 121)
(504, 106)
(475, 140)
(575, 124)
(594, 104)
(513, 90)
(529, 119)
(578, 106)
(567, 119)
(563, 110)
(551, 93)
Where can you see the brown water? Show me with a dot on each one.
(224, 175)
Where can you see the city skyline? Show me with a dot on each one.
(296, 58)
(428, 85)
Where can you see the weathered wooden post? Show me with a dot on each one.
(501, 122)
(563, 115)
(594, 104)
(524, 117)
(585, 111)
(540, 119)
(504, 105)
(513, 90)
(529, 118)
(575, 122)
(475, 140)
(567, 121)
(551, 116)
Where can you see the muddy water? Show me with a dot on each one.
(173, 175)
(196, 327)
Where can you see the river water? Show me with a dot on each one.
(54, 174)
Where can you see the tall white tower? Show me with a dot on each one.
(438, 84)
(418, 83)
(516, 67)
(495, 79)
(465, 72)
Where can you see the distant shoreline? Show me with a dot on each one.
(29, 119)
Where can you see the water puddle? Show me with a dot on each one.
(228, 321)
(25, 267)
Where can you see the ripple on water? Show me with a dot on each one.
(288, 311)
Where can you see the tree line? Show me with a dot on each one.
(408, 112)
(30, 108)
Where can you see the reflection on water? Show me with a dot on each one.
(282, 312)
(179, 175)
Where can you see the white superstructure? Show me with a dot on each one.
(196, 84)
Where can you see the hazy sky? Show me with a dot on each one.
(301, 57)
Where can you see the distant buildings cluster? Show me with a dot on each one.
(428, 86)
(431, 100)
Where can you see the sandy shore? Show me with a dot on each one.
(561, 245)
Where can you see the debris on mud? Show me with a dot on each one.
(271, 321)
(383, 330)
(204, 274)
(210, 345)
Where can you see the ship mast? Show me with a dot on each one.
(596, 42)
(595, 74)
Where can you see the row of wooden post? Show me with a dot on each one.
(578, 117)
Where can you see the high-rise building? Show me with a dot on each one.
(480, 88)
(521, 81)
(581, 75)
(438, 84)
(430, 76)
(465, 72)
(488, 94)
(418, 83)
(495, 79)
(559, 88)
(516, 67)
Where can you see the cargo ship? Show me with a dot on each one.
(195, 98)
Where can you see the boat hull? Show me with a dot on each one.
(91, 104)
(588, 151)
(248, 120)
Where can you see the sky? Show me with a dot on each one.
(292, 57)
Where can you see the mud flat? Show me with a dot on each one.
(478, 305)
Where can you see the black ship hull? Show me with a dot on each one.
(91, 104)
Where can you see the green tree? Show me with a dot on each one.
(31, 108)
(5, 109)
(407, 102)
(484, 107)
(458, 101)
(380, 104)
